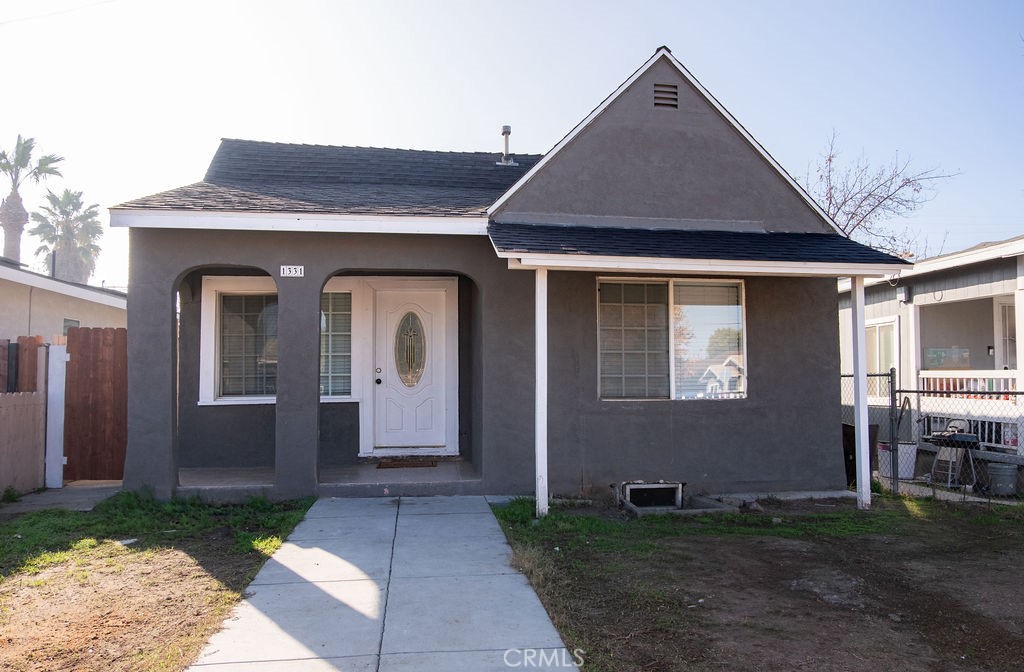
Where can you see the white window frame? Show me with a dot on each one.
(999, 304)
(894, 320)
(670, 281)
(362, 319)
(215, 286)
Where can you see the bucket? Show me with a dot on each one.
(1003, 478)
(906, 455)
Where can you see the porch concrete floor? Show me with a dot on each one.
(388, 584)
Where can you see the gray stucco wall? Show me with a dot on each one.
(635, 160)
(785, 435)
(496, 409)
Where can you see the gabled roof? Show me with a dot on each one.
(666, 54)
(250, 176)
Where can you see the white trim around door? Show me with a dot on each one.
(363, 351)
(392, 419)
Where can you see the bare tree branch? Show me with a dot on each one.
(863, 200)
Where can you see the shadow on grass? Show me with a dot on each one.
(207, 532)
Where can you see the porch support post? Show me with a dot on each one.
(1018, 313)
(297, 410)
(540, 440)
(860, 393)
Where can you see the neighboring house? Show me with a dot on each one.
(542, 320)
(32, 304)
(950, 325)
(725, 379)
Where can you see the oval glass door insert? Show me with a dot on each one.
(410, 349)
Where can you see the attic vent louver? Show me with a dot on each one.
(666, 95)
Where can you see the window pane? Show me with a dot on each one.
(707, 340)
(886, 348)
(633, 340)
(248, 344)
(336, 344)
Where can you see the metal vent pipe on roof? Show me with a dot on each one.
(506, 158)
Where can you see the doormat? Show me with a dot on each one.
(405, 464)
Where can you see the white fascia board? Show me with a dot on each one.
(597, 264)
(255, 221)
(58, 287)
(688, 76)
(1004, 250)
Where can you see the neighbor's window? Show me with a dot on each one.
(680, 339)
(248, 345)
(881, 355)
(336, 344)
(69, 323)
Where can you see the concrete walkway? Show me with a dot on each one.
(368, 585)
(74, 496)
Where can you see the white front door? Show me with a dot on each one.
(414, 349)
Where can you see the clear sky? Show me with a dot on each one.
(135, 94)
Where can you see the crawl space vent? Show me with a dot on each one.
(666, 95)
(660, 496)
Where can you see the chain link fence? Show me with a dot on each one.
(958, 439)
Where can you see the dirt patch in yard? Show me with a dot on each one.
(114, 608)
(88, 601)
(915, 587)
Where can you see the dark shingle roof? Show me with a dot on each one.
(248, 176)
(683, 244)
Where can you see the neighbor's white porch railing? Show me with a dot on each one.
(997, 418)
(967, 381)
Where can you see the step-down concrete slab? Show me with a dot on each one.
(414, 584)
(341, 507)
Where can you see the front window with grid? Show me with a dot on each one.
(336, 344)
(248, 345)
(671, 339)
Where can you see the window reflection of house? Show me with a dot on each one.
(725, 379)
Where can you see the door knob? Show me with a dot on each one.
(378, 381)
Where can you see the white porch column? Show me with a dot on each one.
(860, 393)
(1018, 313)
(540, 440)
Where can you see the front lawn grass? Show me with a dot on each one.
(134, 585)
(730, 590)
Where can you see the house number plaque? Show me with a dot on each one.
(292, 271)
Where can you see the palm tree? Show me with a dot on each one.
(18, 168)
(69, 231)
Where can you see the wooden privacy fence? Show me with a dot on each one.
(19, 364)
(96, 404)
(22, 440)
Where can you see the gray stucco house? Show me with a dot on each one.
(531, 323)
